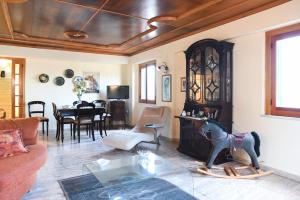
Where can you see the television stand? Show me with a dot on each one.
(117, 110)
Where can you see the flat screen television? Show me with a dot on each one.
(118, 92)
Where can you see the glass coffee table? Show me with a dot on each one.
(135, 168)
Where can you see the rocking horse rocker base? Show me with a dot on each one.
(233, 172)
(220, 139)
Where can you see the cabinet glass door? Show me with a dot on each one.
(195, 79)
(212, 75)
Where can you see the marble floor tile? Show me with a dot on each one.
(67, 159)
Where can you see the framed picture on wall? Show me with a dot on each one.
(92, 80)
(167, 88)
(183, 84)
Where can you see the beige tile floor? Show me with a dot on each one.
(67, 159)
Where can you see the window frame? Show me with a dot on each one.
(271, 38)
(141, 66)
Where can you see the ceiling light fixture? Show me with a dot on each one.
(76, 35)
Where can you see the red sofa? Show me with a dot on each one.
(18, 173)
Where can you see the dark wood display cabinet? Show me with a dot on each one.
(208, 93)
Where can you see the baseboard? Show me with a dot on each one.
(282, 173)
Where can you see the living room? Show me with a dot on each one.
(158, 148)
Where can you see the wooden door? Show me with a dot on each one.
(18, 87)
(14, 87)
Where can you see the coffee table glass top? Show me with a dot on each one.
(131, 168)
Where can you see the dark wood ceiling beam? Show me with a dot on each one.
(3, 35)
(165, 19)
(89, 20)
(134, 50)
(122, 14)
(137, 17)
(95, 13)
(111, 46)
(194, 22)
(186, 14)
(151, 29)
(151, 26)
(42, 45)
(16, 1)
(103, 10)
(199, 8)
(262, 7)
(7, 17)
(75, 4)
(202, 16)
(28, 38)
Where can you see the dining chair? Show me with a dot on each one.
(100, 118)
(37, 108)
(85, 114)
(2, 113)
(75, 103)
(60, 122)
(57, 118)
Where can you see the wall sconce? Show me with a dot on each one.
(3, 74)
(164, 68)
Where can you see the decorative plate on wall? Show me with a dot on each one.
(59, 81)
(69, 73)
(44, 78)
(77, 79)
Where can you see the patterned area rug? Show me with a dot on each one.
(87, 187)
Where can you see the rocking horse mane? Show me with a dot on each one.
(218, 124)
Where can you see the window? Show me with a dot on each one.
(147, 84)
(282, 72)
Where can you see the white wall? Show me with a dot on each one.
(113, 71)
(280, 135)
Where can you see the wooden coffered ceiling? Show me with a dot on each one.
(121, 27)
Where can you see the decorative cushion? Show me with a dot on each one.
(10, 143)
(29, 127)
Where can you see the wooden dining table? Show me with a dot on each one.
(70, 111)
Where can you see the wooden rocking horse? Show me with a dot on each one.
(220, 139)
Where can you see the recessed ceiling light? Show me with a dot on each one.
(75, 35)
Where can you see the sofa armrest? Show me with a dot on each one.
(28, 126)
